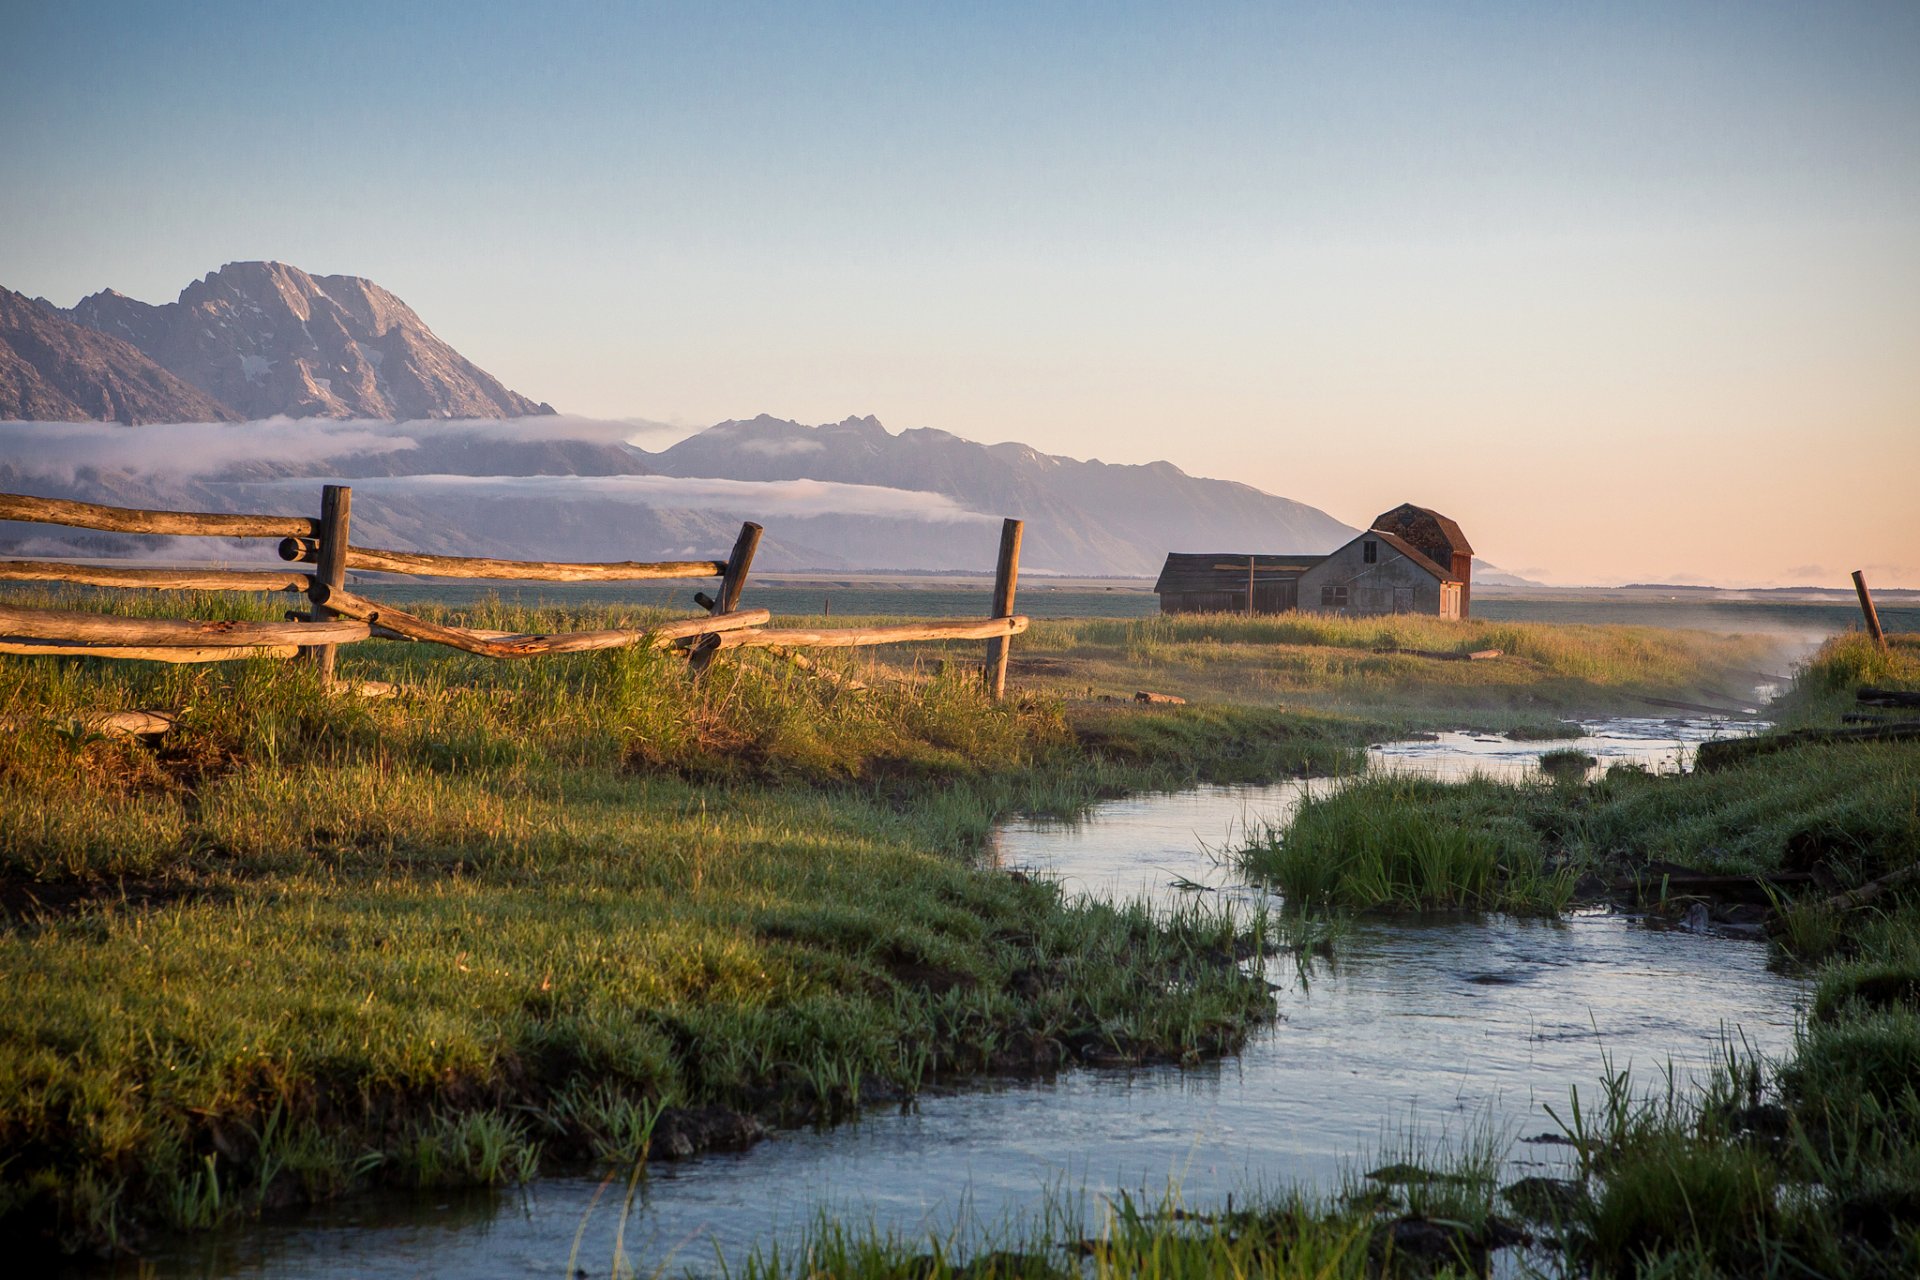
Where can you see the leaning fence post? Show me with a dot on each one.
(732, 583)
(330, 564)
(739, 560)
(1006, 574)
(1866, 607)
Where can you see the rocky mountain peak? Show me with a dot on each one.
(53, 369)
(268, 338)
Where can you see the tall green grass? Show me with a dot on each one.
(311, 941)
(1387, 843)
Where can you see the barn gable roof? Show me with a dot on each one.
(1405, 519)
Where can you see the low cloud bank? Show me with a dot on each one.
(190, 450)
(217, 455)
(745, 498)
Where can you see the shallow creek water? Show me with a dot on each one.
(1422, 1032)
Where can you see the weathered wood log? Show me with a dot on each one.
(1441, 655)
(727, 599)
(856, 637)
(814, 669)
(330, 563)
(1873, 697)
(1708, 884)
(1704, 708)
(306, 550)
(107, 575)
(496, 645)
(89, 515)
(388, 633)
(1006, 576)
(368, 688)
(98, 628)
(1874, 888)
(1719, 755)
(1160, 699)
(734, 573)
(1871, 614)
(18, 647)
(126, 724)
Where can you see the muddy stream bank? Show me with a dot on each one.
(1421, 1032)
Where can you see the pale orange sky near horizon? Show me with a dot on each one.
(1632, 292)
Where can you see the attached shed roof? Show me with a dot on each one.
(1227, 570)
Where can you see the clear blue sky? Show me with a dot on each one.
(1651, 267)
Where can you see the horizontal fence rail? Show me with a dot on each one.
(103, 575)
(308, 550)
(861, 637)
(339, 616)
(83, 628)
(88, 515)
(15, 646)
(493, 644)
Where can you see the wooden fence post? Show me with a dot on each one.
(732, 583)
(739, 560)
(1866, 607)
(1006, 574)
(330, 568)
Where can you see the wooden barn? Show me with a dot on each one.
(1410, 560)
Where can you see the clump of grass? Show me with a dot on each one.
(1386, 844)
(1567, 764)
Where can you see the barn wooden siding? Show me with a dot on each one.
(1217, 582)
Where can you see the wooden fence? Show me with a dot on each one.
(338, 617)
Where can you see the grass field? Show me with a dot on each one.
(527, 913)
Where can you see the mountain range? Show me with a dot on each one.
(251, 340)
(380, 401)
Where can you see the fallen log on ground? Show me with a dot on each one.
(1719, 755)
(1442, 655)
(1704, 708)
(75, 628)
(414, 562)
(814, 669)
(1160, 699)
(494, 645)
(102, 575)
(126, 724)
(1872, 889)
(1873, 697)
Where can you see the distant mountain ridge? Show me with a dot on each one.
(54, 370)
(844, 496)
(1082, 516)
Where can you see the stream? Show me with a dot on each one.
(1417, 1035)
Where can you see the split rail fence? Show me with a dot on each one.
(320, 548)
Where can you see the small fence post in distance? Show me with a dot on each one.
(1866, 607)
(330, 566)
(732, 583)
(1006, 574)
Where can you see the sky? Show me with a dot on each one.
(1631, 291)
